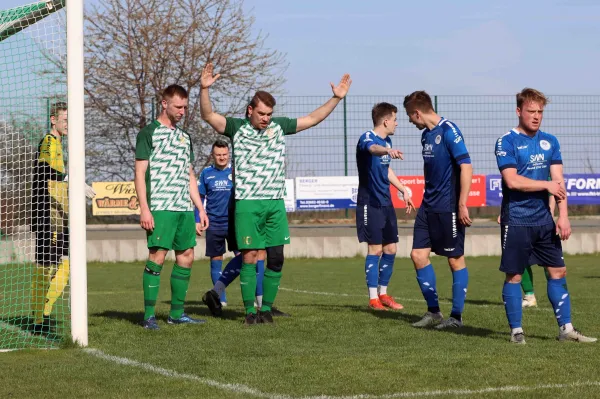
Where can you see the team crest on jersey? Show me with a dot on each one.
(545, 145)
(270, 132)
(438, 139)
(229, 177)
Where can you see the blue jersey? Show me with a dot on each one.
(215, 187)
(531, 157)
(373, 181)
(444, 150)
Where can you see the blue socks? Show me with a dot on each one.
(232, 270)
(560, 299)
(371, 271)
(426, 280)
(260, 274)
(386, 268)
(460, 281)
(513, 299)
(215, 274)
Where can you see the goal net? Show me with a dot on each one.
(34, 263)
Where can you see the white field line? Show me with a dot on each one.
(244, 389)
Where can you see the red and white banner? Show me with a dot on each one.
(416, 186)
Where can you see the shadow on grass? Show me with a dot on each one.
(591, 276)
(51, 330)
(132, 317)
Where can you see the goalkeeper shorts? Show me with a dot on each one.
(50, 247)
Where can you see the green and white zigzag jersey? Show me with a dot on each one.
(259, 157)
(169, 153)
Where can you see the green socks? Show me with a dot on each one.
(180, 281)
(151, 283)
(248, 285)
(527, 281)
(270, 287)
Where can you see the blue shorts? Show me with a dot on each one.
(523, 246)
(376, 225)
(439, 231)
(215, 242)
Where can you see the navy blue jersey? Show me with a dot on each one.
(531, 157)
(215, 187)
(444, 150)
(373, 181)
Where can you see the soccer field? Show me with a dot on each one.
(332, 347)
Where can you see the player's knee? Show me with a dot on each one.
(513, 278)
(275, 258)
(377, 251)
(419, 258)
(556, 273)
(457, 263)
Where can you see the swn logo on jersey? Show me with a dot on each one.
(221, 183)
(536, 158)
(428, 147)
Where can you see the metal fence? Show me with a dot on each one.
(329, 148)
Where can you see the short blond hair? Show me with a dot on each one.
(529, 94)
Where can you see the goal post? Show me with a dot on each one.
(77, 199)
(43, 272)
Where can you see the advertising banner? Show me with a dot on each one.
(582, 189)
(416, 186)
(290, 202)
(326, 193)
(115, 198)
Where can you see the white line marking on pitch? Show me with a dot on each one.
(244, 389)
(482, 305)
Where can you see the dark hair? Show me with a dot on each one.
(381, 111)
(418, 100)
(57, 107)
(174, 90)
(220, 144)
(528, 94)
(262, 97)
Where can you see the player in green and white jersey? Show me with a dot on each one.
(259, 180)
(167, 191)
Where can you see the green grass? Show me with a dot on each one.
(333, 345)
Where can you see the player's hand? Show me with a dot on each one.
(396, 154)
(342, 88)
(498, 219)
(410, 206)
(207, 79)
(147, 220)
(203, 221)
(89, 192)
(556, 188)
(199, 229)
(463, 215)
(563, 227)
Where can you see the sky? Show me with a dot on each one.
(444, 47)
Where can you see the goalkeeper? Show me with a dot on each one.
(50, 209)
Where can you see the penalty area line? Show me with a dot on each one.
(244, 389)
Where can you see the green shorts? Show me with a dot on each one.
(260, 224)
(173, 230)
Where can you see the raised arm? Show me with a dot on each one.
(218, 122)
(318, 115)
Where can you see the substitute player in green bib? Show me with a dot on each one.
(164, 173)
(259, 180)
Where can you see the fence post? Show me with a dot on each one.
(435, 104)
(48, 123)
(345, 144)
(153, 117)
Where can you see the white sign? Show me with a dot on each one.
(326, 193)
(290, 203)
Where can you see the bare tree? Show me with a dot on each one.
(135, 48)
